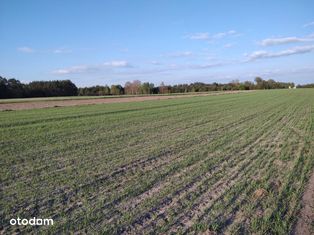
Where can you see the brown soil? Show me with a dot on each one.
(306, 217)
(259, 194)
(63, 103)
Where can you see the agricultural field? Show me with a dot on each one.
(49, 102)
(227, 164)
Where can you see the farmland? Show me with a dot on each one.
(233, 164)
(38, 103)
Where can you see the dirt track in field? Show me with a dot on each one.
(64, 103)
(306, 217)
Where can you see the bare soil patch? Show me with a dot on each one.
(259, 194)
(63, 103)
(305, 224)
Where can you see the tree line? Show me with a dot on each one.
(13, 88)
(311, 85)
(136, 87)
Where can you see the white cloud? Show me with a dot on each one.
(61, 71)
(117, 64)
(309, 24)
(199, 36)
(285, 40)
(228, 45)
(224, 34)
(206, 66)
(205, 36)
(167, 69)
(292, 51)
(25, 49)
(92, 68)
(271, 72)
(311, 35)
(61, 51)
(72, 70)
(170, 69)
(179, 54)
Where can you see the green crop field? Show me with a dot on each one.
(64, 98)
(232, 164)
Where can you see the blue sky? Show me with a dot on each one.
(175, 41)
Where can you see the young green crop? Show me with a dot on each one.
(184, 165)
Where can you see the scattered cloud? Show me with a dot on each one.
(61, 51)
(292, 51)
(92, 68)
(142, 72)
(205, 36)
(206, 66)
(124, 49)
(308, 24)
(199, 36)
(272, 72)
(285, 40)
(197, 66)
(73, 70)
(224, 34)
(311, 35)
(117, 64)
(179, 54)
(25, 49)
(155, 63)
(228, 45)
(167, 69)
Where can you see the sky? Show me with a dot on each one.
(174, 41)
